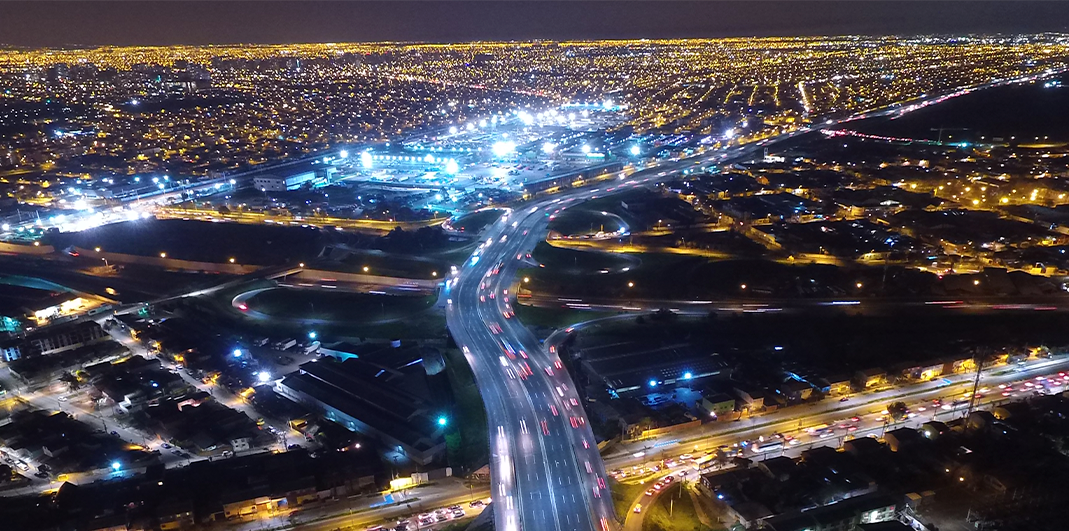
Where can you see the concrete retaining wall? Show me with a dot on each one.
(19, 248)
(167, 263)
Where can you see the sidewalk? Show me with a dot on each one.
(703, 506)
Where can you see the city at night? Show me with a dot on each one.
(641, 265)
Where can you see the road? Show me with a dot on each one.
(803, 422)
(545, 468)
(546, 473)
(867, 305)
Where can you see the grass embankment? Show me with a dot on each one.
(467, 440)
(474, 222)
(578, 221)
(623, 496)
(416, 322)
(672, 511)
(390, 265)
(554, 317)
(337, 306)
(571, 261)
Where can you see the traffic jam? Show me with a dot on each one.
(872, 424)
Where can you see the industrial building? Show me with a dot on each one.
(392, 402)
(308, 174)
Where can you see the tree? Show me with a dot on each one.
(897, 411)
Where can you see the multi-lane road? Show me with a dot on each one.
(546, 472)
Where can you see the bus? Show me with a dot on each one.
(765, 447)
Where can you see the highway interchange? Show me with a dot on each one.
(546, 471)
(545, 467)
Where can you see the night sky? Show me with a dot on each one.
(221, 22)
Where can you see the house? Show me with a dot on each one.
(980, 420)
(796, 390)
(748, 513)
(922, 372)
(249, 503)
(749, 399)
(896, 439)
(175, 515)
(778, 468)
(839, 384)
(845, 515)
(958, 365)
(862, 446)
(934, 429)
(869, 378)
(718, 405)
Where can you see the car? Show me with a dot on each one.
(166, 446)
(649, 492)
(41, 475)
(62, 399)
(176, 451)
(476, 503)
(638, 508)
(114, 433)
(843, 399)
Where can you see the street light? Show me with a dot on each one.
(442, 421)
(237, 353)
(311, 335)
(115, 465)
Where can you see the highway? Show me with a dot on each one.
(546, 472)
(866, 305)
(860, 416)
